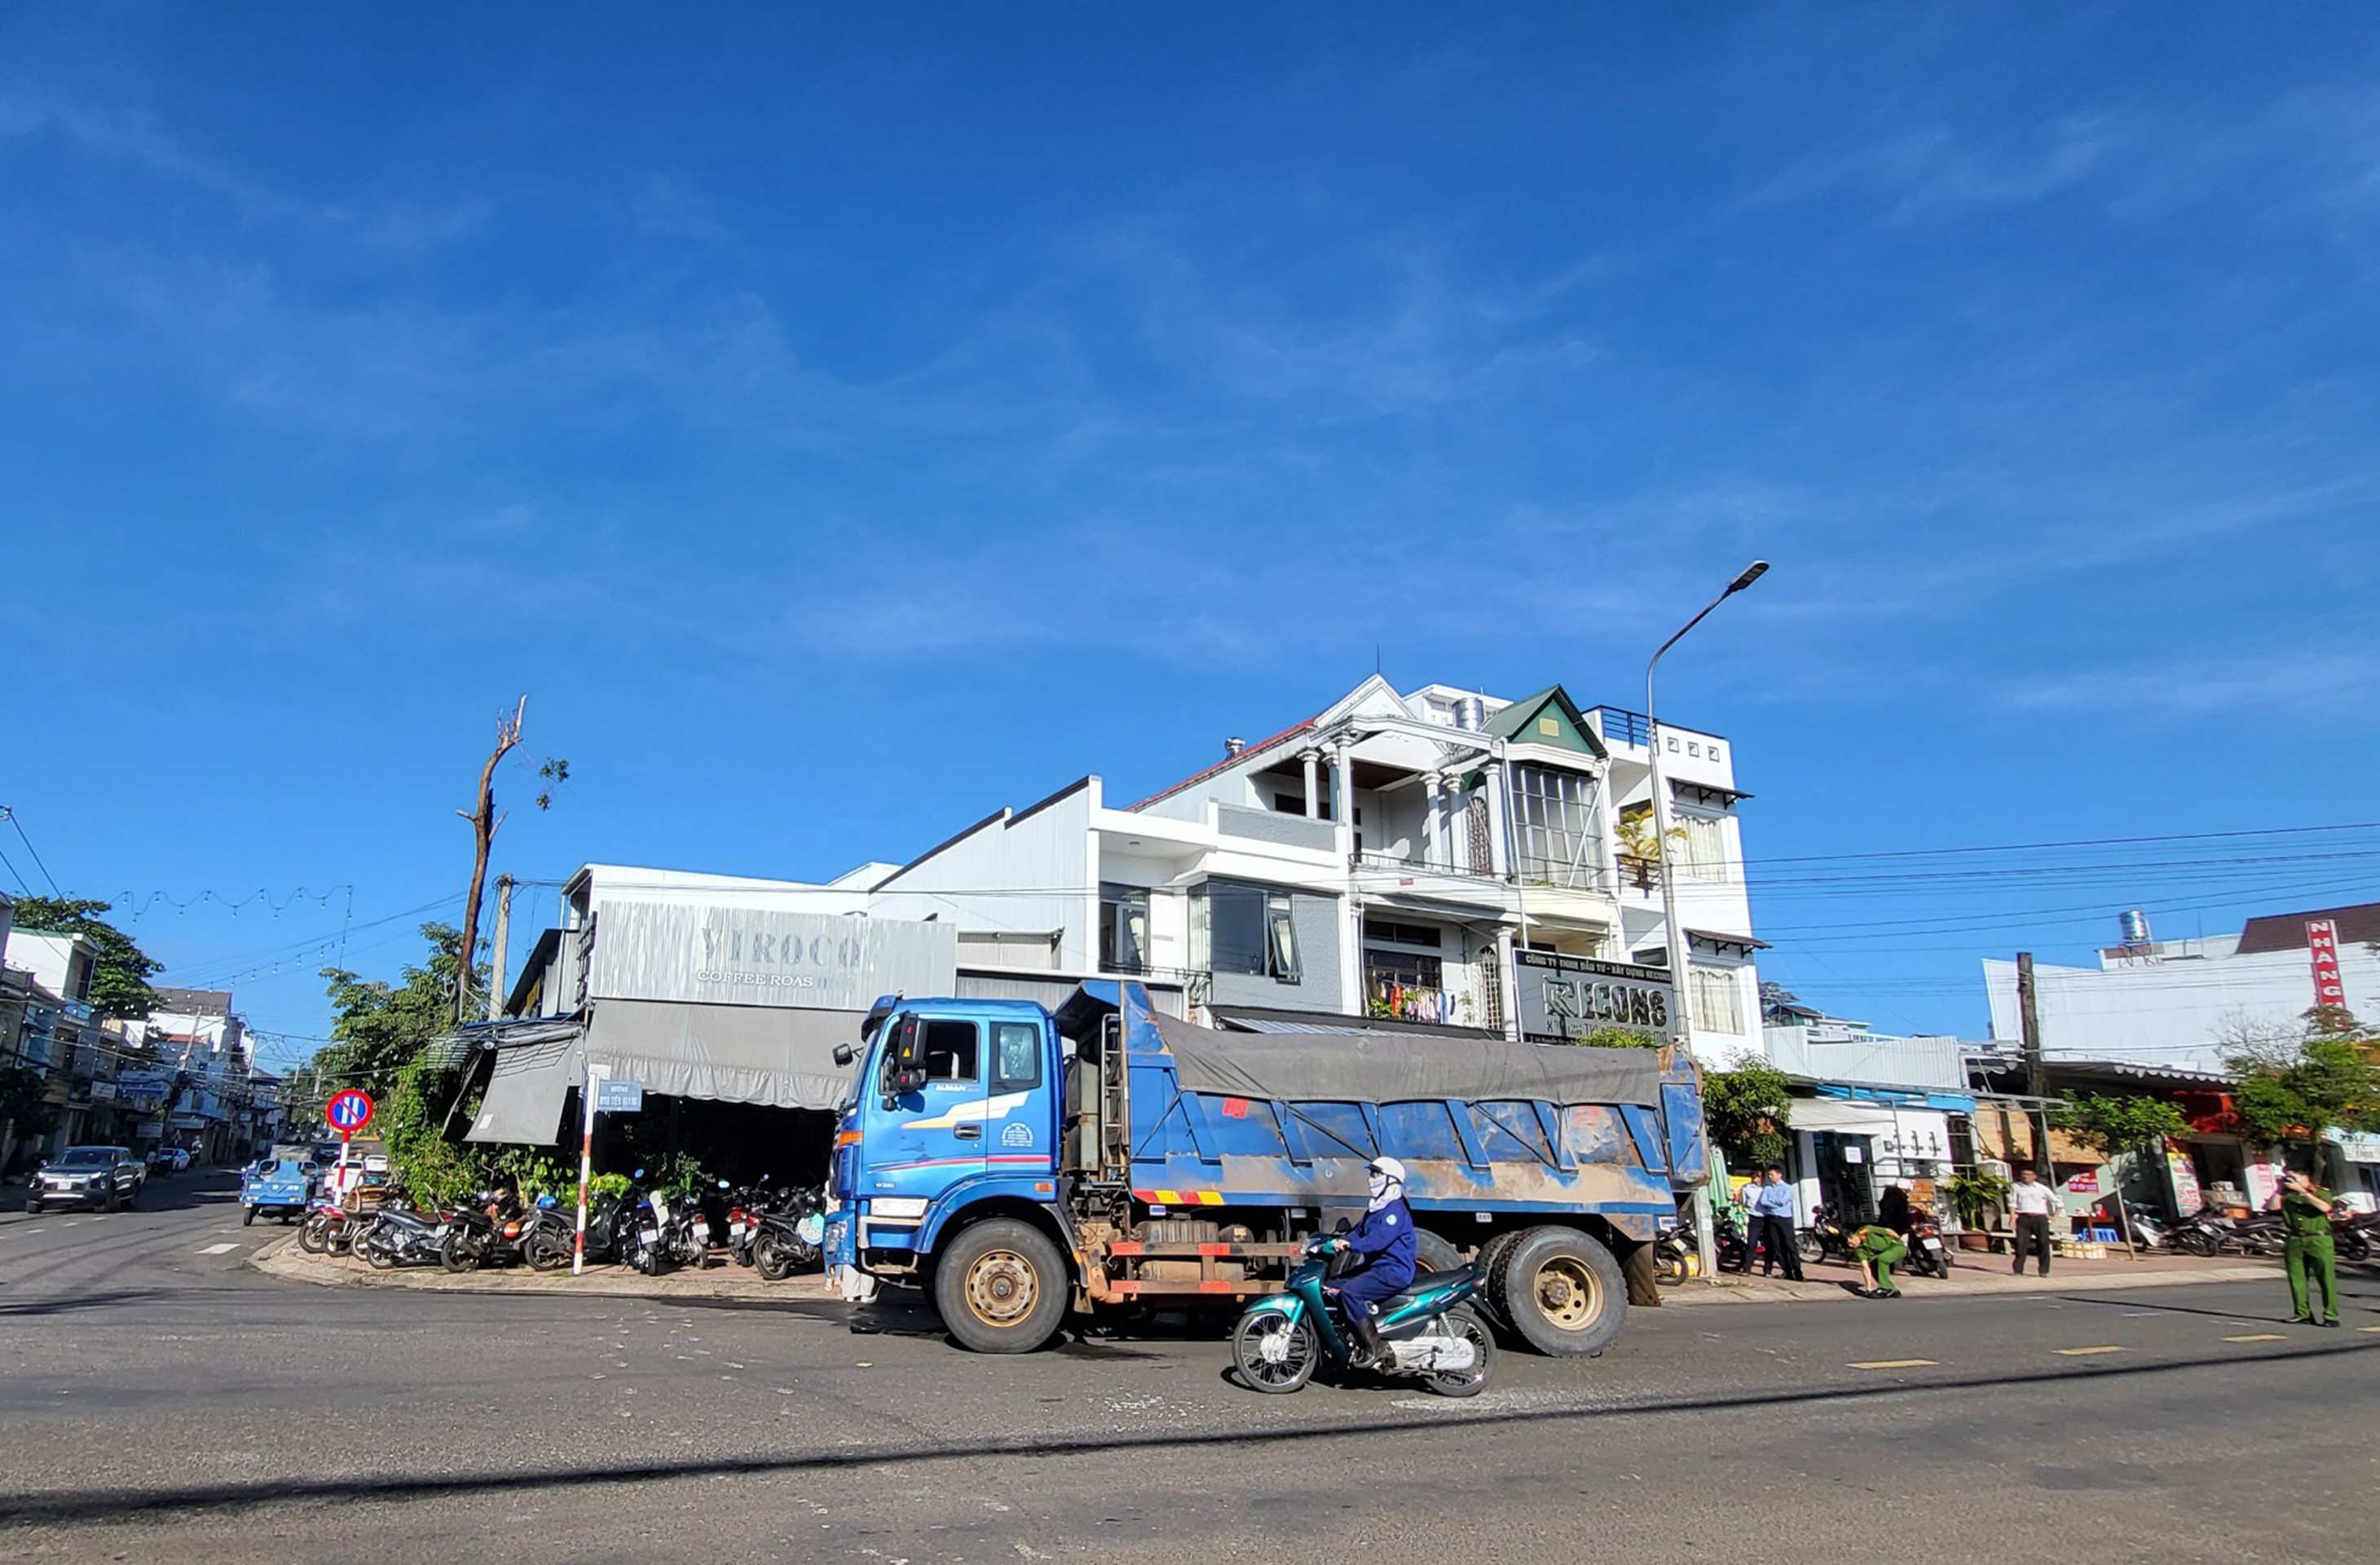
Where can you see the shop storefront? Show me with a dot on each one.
(1856, 1142)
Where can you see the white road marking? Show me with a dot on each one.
(1895, 1363)
(2079, 1352)
(2258, 1337)
(218, 1249)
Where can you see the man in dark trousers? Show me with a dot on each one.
(1386, 1242)
(2033, 1201)
(1772, 1226)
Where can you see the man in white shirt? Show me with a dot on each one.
(2033, 1201)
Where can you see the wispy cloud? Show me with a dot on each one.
(2314, 681)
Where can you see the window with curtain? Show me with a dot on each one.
(1719, 1000)
(1701, 852)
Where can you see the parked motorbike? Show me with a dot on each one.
(550, 1237)
(1824, 1238)
(327, 1230)
(663, 1233)
(398, 1234)
(2353, 1235)
(1671, 1248)
(1928, 1256)
(486, 1234)
(1429, 1332)
(791, 1238)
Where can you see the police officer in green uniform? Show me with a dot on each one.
(2305, 1221)
(1875, 1247)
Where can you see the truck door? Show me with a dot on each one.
(932, 1135)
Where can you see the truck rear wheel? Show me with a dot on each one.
(1001, 1287)
(1562, 1291)
(1434, 1253)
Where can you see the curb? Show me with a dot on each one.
(285, 1260)
(1720, 1291)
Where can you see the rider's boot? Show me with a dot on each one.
(1365, 1328)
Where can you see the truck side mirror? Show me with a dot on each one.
(844, 1054)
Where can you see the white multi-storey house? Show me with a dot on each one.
(1432, 857)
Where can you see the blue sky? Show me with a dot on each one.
(842, 421)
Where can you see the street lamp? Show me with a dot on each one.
(1680, 1033)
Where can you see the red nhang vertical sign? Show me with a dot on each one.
(2321, 940)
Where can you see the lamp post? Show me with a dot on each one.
(1706, 1240)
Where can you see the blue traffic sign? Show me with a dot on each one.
(619, 1096)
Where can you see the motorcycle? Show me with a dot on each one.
(1672, 1253)
(1928, 1256)
(663, 1233)
(1824, 1238)
(486, 1234)
(399, 1235)
(327, 1230)
(549, 1238)
(2350, 1235)
(2202, 1233)
(792, 1238)
(1429, 1332)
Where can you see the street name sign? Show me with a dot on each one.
(619, 1096)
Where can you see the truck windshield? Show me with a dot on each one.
(85, 1158)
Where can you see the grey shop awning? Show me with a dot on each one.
(769, 1056)
(525, 1095)
(776, 1057)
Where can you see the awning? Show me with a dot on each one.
(1836, 1114)
(1899, 1097)
(525, 1096)
(777, 1057)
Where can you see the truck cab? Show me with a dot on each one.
(954, 1106)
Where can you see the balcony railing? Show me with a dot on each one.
(1621, 726)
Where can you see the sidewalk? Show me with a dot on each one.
(1976, 1274)
(720, 1280)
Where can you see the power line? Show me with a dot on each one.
(10, 816)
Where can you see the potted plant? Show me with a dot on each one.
(1976, 1192)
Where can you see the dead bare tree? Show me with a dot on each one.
(484, 821)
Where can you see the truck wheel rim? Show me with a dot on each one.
(1567, 1293)
(1002, 1288)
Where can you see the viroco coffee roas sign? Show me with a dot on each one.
(653, 950)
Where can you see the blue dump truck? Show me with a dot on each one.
(1018, 1163)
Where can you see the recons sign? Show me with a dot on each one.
(722, 954)
(1563, 998)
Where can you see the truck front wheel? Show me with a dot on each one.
(1001, 1287)
(1562, 1291)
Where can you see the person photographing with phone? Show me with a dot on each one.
(2306, 1246)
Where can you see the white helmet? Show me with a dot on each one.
(1388, 1169)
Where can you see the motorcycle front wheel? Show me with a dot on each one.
(312, 1235)
(2353, 1245)
(772, 1259)
(1813, 1248)
(2198, 1244)
(457, 1255)
(1466, 1326)
(546, 1251)
(1274, 1354)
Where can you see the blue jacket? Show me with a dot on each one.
(1388, 1243)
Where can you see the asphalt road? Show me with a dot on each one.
(158, 1400)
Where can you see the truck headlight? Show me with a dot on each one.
(897, 1207)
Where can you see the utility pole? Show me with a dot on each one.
(2036, 1079)
(503, 930)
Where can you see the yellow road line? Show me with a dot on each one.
(2258, 1337)
(2368, 1328)
(1895, 1363)
(2078, 1352)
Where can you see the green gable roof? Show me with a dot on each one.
(1523, 723)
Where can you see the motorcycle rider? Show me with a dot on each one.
(1387, 1243)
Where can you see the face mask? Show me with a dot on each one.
(1379, 1186)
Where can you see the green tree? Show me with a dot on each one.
(381, 1034)
(119, 980)
(2330, 1083)
(377, 1029)
(1613, 1035)
(2121, 1126)
(1749, 1107)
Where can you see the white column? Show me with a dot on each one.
(1313, 801)
(1342, 797)
(1498, 853)
(1433, 818)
